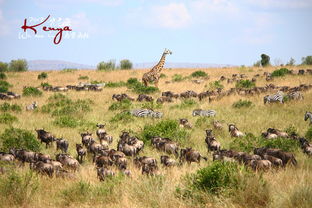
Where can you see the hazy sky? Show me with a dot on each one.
(197, 31)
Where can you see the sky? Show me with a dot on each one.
(196, 31)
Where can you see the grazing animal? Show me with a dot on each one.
(286, 157)
(191, 155)
(234, 132)
(140, 161)
(103, 161)
(23, 155)
(45, 137)
(62, 144)
(32, 106)
(200, 112)
(260, 164)
(167, 161)
(308, 115)
(42, 167)
(86, 138)
(120, 97)
(212, 143)
(163, 99)
(68, 161)
(103, 173)
(100, 132)
(217, 125)
(81, 152)
(146, 98)
(169, 94)
(7, 157)
(149, 170)
(278, 97)
(295, 95)
(184, 123)
(154, 74)
(141, 112)
(188, 94)
(274, 160)
(42, 157)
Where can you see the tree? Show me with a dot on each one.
(265, 60)
(18, 65)
(291, 62)
(110, 65)
(125, 64)
(257, 64)
(307, 60)
(3, 66)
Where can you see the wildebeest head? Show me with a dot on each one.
(101, 126)
(208, 132)
(232, 127)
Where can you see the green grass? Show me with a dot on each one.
(215, 85)
(5, 107)
(7, 118)
(242, 104)
(245, 84)
(197, 74)
(83, 77)
(115, 84)
(122, 105)
(32, 91)
(186, 103)
(4, 86)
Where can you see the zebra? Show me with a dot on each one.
(32, 106)
(308, 115)
(278, 97)
(295, 95)
(155, 114)
(200, 112)
(141, 112)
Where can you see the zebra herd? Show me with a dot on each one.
(280, 97)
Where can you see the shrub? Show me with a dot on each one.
(42, 75)
(199, 74)
(215, 85)
(106, 66)
(66, 121)
(4, 86)
(162, 75)
(5, 107)
(2, 75)
(308, 134)
(288, 145)
(139, 88)
(18, 65)
(122, 105)
(242, 103)
(69, 70)
(178, 78)
(291, 130)
(245, 84)
(124, 116)
(20, 139)
(18, 189)
(6, 118)
(280, 72)
(115, 84)
(4, 67)
(186, 103)
(32, 91)
(96, 82)
(83, 77)
(125, 64)
(164, 128)
(45, 84)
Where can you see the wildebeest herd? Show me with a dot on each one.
(129, 149)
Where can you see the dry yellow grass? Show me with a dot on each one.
(142, 191)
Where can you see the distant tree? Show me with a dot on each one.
(106, 66)
(307, 60)
(125, 64)
(3, 66)
(291, 62)
(257, 64)
(278, 62)
(265, 60)
(18, 65)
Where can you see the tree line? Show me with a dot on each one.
(265, 61)
(18, 65)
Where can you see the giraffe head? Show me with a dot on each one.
(167, 51)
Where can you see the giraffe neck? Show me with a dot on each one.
(161, 63)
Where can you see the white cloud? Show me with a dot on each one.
(172, 16)
(282, 4)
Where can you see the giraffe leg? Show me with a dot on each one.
(144, 82)
(156, 83)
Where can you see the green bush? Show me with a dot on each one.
(32, 91)
(45, 84)
(291, 130)
(115, 84)
(288, 145)
(123, 116)
(139, 88)
(69, 70)
(122, 105)
(280, 72)
(6, 118)
(18, 189)
(5, 107)
(42, 75)
(199, 74)
(186, 103)
(245, 84)
(18, 65)
(125, 64)
(308, 134)
(178, 78)
(242, 103)
(20, 139)
(67, 121)
(4, 86)
(2, 75)
(215, 85)
(165, 128)
(162, 75)
(106, 66)
(83, 77)
(4, 67)
(97, 82)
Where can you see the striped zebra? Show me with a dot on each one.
(308, 115)
(200, 112)
(278, 97)
(155, 114)
(32, 106)
(141, 112)
(295, 95)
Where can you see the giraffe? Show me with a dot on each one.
(154, 73)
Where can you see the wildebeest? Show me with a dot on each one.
(120, 97)
(274, 160)
(42, 157)
(68, 161)
(45, 137)
(103, 173)
(260, 164)
(7, 157)
(212, 143)
(190, 155)
(234, 132)
(144, 160)
(167, 161)
(163, 99)
(169, 94)
(61, 144)
(23, 155)
(103, 161)
(81, 152)
(32, 106)
(184, 123)
(286, 157)
(86, 138)
(42, 167)
(143, 97)
(217, 125)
